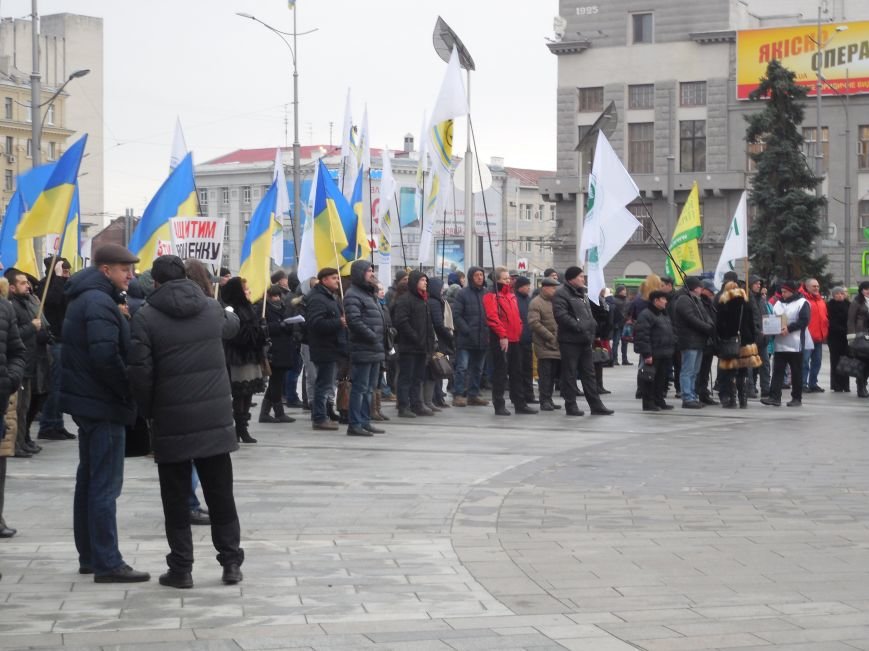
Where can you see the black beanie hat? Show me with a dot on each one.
(571, 273)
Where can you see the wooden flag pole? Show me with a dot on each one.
(49, 273)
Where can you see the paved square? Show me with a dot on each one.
(718, 529)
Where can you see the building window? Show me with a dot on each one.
(863, 221)
(525, 211)
(641, 96)
(643, 234)
(552, 212)
(641, 147)
(245, 194)
(8, 180)
(10, 146)
(539, 214)
(863, 147)
(224, 194)
(203, 197)
(52, 151)
(49, 115)
(641, 28)
(8, 106)
(753, 148)
(810, 146)
(692, 146)
(692, 93)
(29, 148)
(244, 216)
(591, 99)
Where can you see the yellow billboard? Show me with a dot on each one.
(844, 52)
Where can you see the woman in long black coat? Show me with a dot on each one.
(837, 338)
(245, 354)
(282, 356)
(734, 317)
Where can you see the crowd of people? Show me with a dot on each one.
(172, 361)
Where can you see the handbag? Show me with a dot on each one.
(440, 367)
(851, 367)
(628, 331)
(646, 373)
(599, 353)
(729, 348)
(342, 397)
(859, 345)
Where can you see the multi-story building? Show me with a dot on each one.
(67, 43)
(521, 224)
(670, 69)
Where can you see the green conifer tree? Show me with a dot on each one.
(782, 235)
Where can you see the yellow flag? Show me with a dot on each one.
(685, 247)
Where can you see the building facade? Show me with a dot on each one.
(669, 68)
(521, 225)
(67, 43)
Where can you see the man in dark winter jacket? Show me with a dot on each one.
(179, 378)
(472, 340)
(12, 361)
(576, 332)
(326, 329)
(283, 355)
(693, 327)
(95, 391)
(366, 323)
(760, 308)
(415, 343)
(522, 287)
(655, 342)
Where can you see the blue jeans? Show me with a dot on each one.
(616, 340)
(691, 360)
(98, 484)
(52, 418)
(812, 365)
(291, 381)
(469, 368)
(323, 384)
(193, 502)
(363, 380)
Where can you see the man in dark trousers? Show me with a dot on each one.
(326, 330)
(522, 287)
(179, 378)
(95, 391)
(12, 360)
(576, 331)
(472, 340)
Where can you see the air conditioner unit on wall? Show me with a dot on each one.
(10, 158)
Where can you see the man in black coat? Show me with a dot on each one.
(522, 288)
(367, 325)
(472, 340)
(576, 332)
(693, 327)
(415, 344)
(12, 360)
(95, 391)
(655, 341)
(179, 378)
(326, 328)
(283, 355)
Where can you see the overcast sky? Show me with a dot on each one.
(229, 79)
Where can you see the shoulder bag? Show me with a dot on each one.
(729, 348)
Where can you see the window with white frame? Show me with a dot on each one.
(224, 196)
(245, 194)
(203, 197)
(692, 93)
(641, 96)
(642, 25)
(591, 99)
(863, 147)
(810, 142)
(642, 235)
(641, 147)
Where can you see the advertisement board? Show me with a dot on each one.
(844, 53)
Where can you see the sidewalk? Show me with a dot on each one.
(717, 529)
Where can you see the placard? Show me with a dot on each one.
(200, 238)
(773, 323)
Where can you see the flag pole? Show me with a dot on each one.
(337, 260)
(443, 243)
(482, 193)
(662, 246)
(49, 273)
(370, 215)
(421, 214)
(400, 232)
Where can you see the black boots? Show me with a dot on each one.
(241, 432)
(265, 415)
(862, 392)
(280, 416)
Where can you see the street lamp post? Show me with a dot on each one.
(296, 146)
(35, 90)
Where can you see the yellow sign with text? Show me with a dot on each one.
(843, 56)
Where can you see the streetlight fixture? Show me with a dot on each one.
(76, 74)
(296, 146)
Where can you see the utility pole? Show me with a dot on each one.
(35, 91)
(819, 191)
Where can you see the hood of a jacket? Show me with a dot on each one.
(470, 276)
(412, 281)
(180, 299)
(87, 280)
(731, 294)
(435, 288)
(233, 293)
(357, 275)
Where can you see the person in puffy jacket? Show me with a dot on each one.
(415, 343)
(819, 330)
(179, 378)
(12, 362)
(472, 340)
(655, 342)
(442, 320)
(544, 336)
(505, 326)
(576, 332)
(283, 355)
(694, 326)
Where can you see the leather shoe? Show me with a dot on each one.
(51, 435)
(502, 411)
(795, 403)
(423, 411)
(231, 574)
(173, 579)
(122, 574)
(374, 430)
(708, 400)
(7, 532)
(406, 413)
(352, 430)
(603, 392)
(199, 517)
(769, 402)
(21, 453)
(573, 410)
(602, 411)
(525, 409)
(67, 434)
(692, 404)
(325, 425)
(31, 447)
(85, 569)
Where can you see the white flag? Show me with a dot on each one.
(179, 146)
(608, 224)
(385, 212)
(365, 142)
(282, 208)
(307, 263)
(736, 243)
(452, 101)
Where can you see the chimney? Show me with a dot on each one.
(496, 162)
(408, 143)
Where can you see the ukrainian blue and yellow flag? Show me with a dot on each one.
(16, 253)
(329, 235)
(70, 239)
(354, 228)
(49, 212)
(256, 252)
(175, 198)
